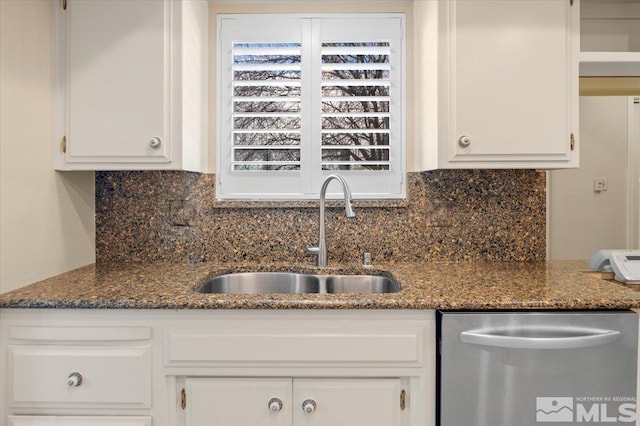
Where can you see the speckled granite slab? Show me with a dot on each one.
(456, 215)
(467, 285)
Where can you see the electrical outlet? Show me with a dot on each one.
(600, 184)
(181, 213)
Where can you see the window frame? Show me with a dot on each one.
(305, 183)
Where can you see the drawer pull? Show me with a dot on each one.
(309, 406)
(275, 404)
(464, 141)
(74, 379)
(155, 143)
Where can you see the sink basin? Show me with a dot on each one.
(262, 283)
(360, 284)
(297, 283)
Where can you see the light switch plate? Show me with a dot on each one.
(600, 184)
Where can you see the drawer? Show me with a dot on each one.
(112, 376)
(78, 334)
(295, 345)
(78, 421)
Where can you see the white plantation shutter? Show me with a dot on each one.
(302, 97)
(262, 153)
(355, 105)
(266, 106)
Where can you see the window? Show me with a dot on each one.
(303, 97)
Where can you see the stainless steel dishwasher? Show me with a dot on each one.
(532, 368)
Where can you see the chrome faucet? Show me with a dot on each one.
(321, 250)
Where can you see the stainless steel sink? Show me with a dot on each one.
(297, 283)
(360, 284)
(262, 283)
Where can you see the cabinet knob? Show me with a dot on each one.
(155, 143)
(464, 141)
(74, 379)
(309, 406)
(275, 404)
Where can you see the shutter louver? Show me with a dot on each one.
(266, 87)
(355, 105)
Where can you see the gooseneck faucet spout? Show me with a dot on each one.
(321, 250)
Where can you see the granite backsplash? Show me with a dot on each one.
(470, 215)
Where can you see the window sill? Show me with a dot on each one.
(358, 204)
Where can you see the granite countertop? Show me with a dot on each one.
(485, 286)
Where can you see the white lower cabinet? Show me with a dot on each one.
(298, 401)
(74, 371)
(68, 367)
(238, 402)
(78, 421)
(353, 402)
(88, 375)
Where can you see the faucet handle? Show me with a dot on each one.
(313, 250)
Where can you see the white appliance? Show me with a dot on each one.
(624, 263)
(601, 261)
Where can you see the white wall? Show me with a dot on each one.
(47, 219)
(582, 221)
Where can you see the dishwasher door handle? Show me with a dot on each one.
(541, 338)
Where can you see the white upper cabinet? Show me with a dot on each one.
(131, 85)
(610, 39)
(508, 84)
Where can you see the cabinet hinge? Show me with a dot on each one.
(63, 3)
(63, 144)
(183, 399)
(403, 399)
(572, 142)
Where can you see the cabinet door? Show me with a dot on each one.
(347, 402)
(117, 80)
(513, 80)
(237, 402)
